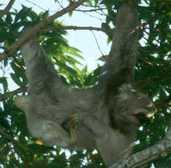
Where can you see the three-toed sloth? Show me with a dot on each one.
(105, 119)
(78, 118)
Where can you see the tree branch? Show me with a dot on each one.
(12, 93)
(123, 53)
(120, 63)
(7, 8)
(91, 10)
(82, 28)
(163, 148)
(37, 28)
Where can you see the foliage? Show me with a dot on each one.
(153, 77)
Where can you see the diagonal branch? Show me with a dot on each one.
(37, 28)
(12, 93)
(7, 8)
(163, 148)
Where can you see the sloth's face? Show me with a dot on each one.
(139, 107)
(130, 109)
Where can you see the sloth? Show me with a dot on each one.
(76, 118)
(106, 116)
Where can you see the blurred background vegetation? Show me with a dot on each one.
(153, 76)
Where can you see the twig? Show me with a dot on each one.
(82, 28)
(60, 4)
(37, 28)
(91, 10)
(12, 93)
(101, 52)
(35, 4)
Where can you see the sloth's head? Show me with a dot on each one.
(131, 108)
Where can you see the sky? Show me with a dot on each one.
(85, 41)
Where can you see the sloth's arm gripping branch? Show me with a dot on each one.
(38, 66)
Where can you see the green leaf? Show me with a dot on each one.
(4, 83)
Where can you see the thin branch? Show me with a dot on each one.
(100, 50)
(91, 15)
(60, 4)
(37, 28)
(91, 10)
(7, 8)
(35, 4)
(12, 93)
(82, 28)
